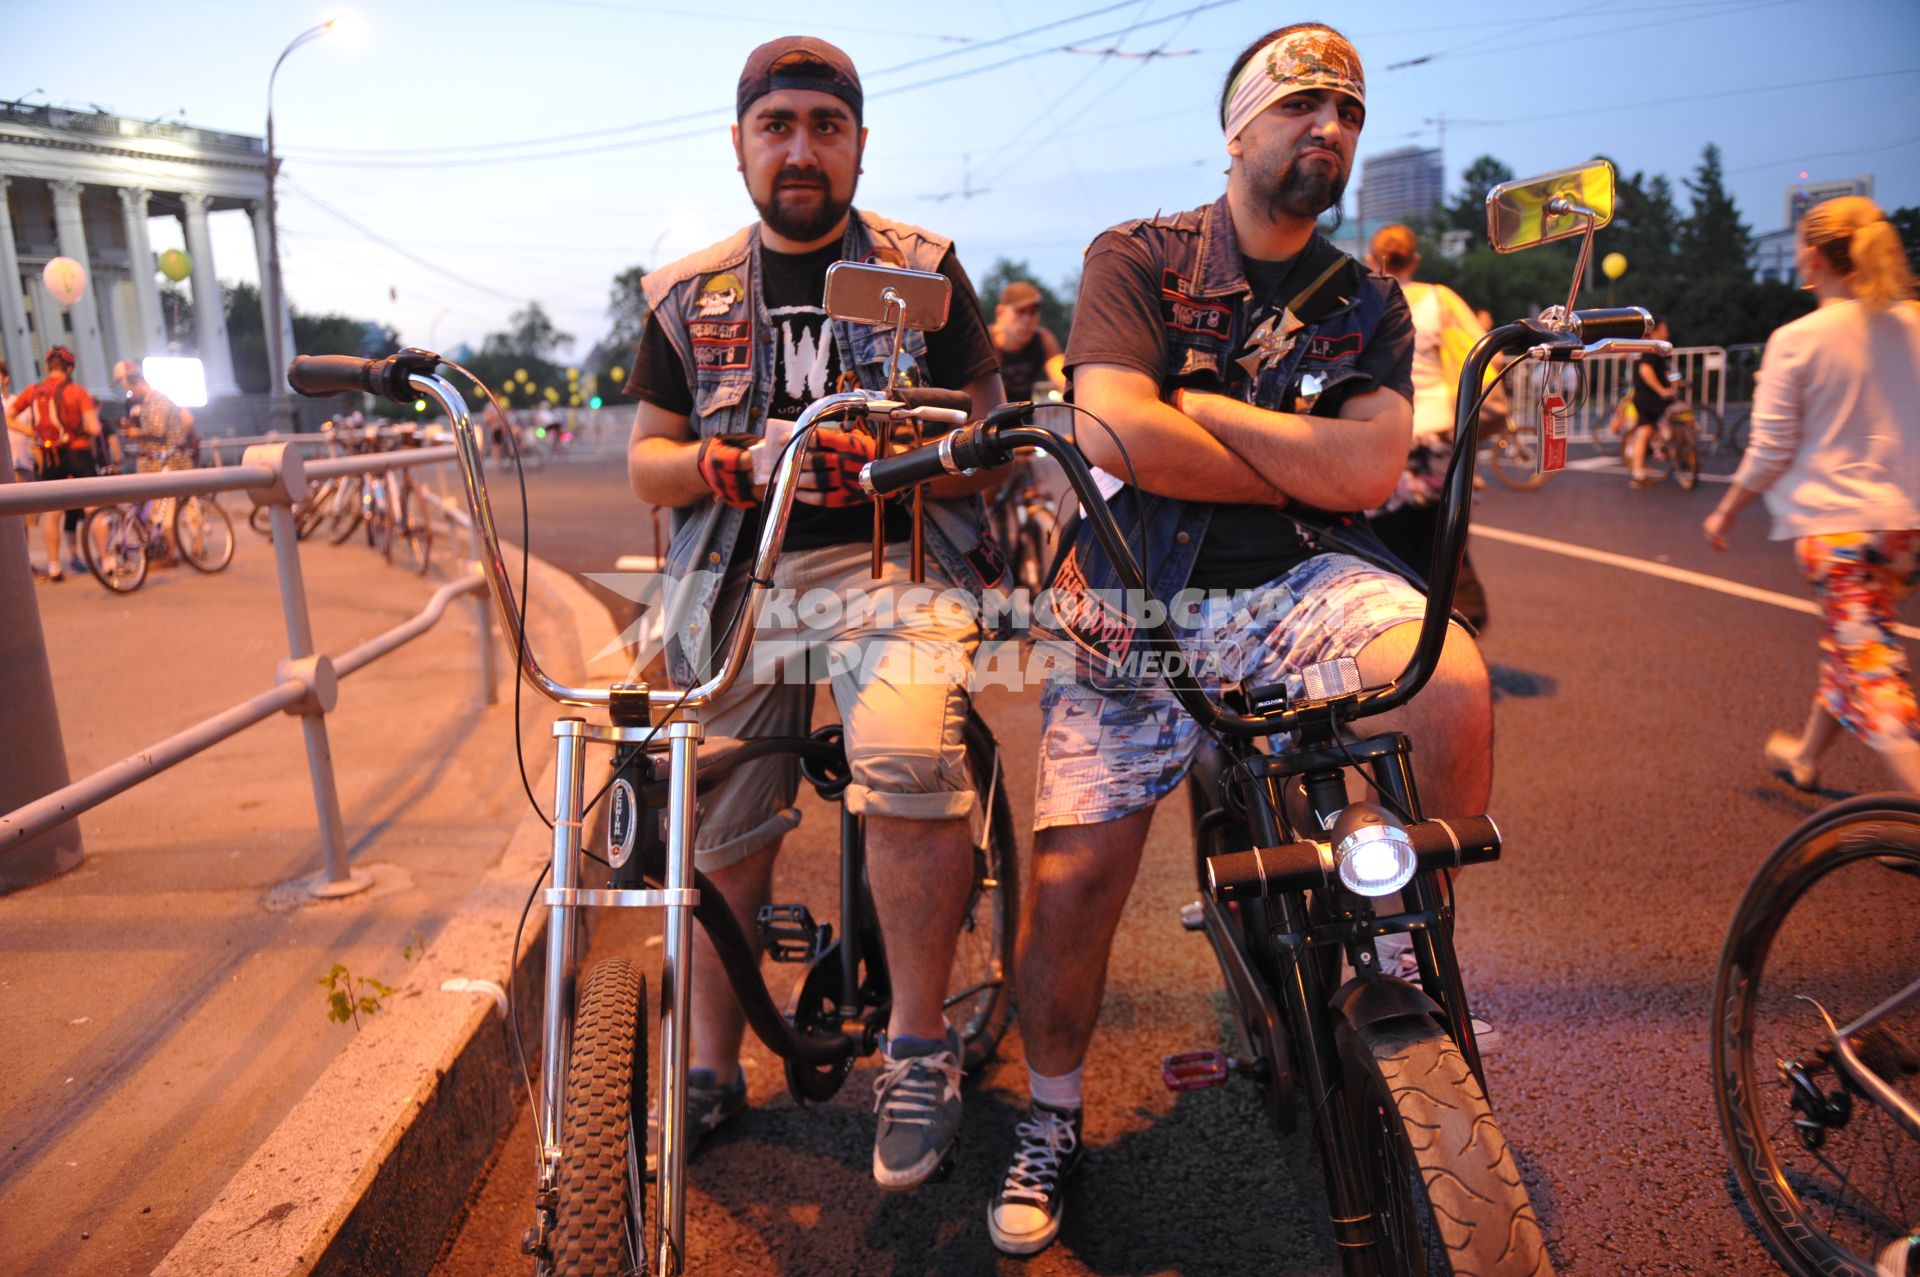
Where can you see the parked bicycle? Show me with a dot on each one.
(590, 1202)
(1419, 1177)
(1024, 515)
(119, 542)
(1816, 1042)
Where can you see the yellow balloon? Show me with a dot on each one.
(573, 374)
(519, 374)
(175, 265)
(553, 395)
(1613, 265)
(619, 374)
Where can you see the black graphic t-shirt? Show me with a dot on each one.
(1119, 320)
(806, 365)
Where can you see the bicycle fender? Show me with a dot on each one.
(1383, 998)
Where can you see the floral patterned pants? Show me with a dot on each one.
(1860, 577)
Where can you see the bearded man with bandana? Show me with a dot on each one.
(1261, 382)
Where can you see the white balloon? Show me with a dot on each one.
(66, 279)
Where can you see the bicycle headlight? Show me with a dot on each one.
(1371, 851)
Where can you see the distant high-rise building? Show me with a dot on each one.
(1772, 255)
(1398, 184)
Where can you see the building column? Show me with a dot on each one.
(209, 308)
(150, 331)
(71, 233)
(15, 340)
(271, 300)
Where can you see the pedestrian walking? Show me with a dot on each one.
(1835, 449)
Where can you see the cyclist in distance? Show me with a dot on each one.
(1653, 394)
(1836, 449)
(65, 422)
(1028, 352)
(1260, 380)
(158, 427)
(738, 335)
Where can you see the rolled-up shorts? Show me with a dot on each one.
(897, 657)
(1104, 756)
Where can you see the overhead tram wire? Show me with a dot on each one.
(518, 152)
(392, 247)
(1590, 112)
(1472, 49)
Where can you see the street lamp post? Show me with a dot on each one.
(280, 409)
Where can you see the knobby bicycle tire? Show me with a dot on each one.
(202, 533)
(600, 1209)
(347, 513)
(113, 549)
(1803, 1140)
(1447, 1194)
(1516, 457)
(417, 525)
(985, 949)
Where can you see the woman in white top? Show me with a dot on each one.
(1445, 328)
(1836, 449)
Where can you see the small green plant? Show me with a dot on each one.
(415, 947)
(349, 996)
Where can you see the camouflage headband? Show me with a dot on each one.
(1299, 60)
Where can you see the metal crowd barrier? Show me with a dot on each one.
(307, 682)
(1593, 387)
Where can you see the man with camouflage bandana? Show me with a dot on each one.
(1260, 380)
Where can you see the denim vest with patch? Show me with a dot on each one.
(1204, 309)
(710, 308)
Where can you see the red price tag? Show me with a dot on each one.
(1553, 434)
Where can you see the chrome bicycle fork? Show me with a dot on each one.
(680, 740)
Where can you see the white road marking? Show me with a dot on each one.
(1665, 572)
(1613, 465)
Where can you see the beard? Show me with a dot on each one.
(1294, 191)
(803, 214)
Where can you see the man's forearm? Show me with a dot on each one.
(1334, 463)
(666, 472)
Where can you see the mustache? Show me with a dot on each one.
(793, 173)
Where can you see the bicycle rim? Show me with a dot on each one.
(1686, 460)
(113, 546)
(1831, 1177)
(203, 534)
(1516, 458)
(600, 1211)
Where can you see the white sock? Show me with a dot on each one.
(1061, 1092)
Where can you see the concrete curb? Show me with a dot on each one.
(370, 1167)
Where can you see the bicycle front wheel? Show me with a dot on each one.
(1826, 930)
(1447, 1195)
(979, 1001)
(418, 527)
(600, 1210)
(114, 546)
(203, 533)
(1516, 457)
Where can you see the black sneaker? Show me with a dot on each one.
(708, 1106)
(1025, 1214)
(918, 1100)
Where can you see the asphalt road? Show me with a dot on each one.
(1631, 710)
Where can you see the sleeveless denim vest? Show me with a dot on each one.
(709, 306)
(1204, 304)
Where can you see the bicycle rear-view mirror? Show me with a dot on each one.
(888, 295)
(1553, 206)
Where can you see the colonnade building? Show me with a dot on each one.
(85, 185)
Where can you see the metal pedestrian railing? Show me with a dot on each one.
(306, 683)
(1593, 387)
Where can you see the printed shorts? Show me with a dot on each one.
(1106, 756)
(1860, 578)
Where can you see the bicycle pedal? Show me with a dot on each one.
(1193, 916)
(789, 933)
(1195, 1070)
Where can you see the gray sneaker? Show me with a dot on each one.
(1024, 1216)
(918, 1100)
(708, 1106)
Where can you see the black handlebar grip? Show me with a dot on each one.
(1296, 866)
(1612, 321)
(893, 474)
(1470, 841)
(317, 375)
(934, 397)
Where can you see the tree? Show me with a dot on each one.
(312, 335)
(1714, 242)
(1907, 222)
(530, 332)
(1056, 310)
(1468, 210)
(627, 308)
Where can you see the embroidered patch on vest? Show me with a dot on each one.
(720, 295)
(1326, 349)
(1188, 314)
